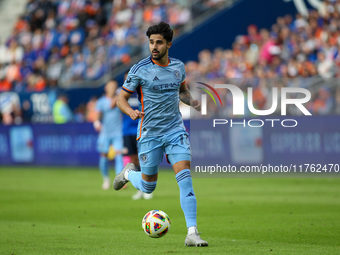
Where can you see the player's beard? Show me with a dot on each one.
(160, 56)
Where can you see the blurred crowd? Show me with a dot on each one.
(65, 41)
(74, 40)
(298, 51)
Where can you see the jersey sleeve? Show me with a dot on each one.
(132, 82)
(99, 106)
(183, 75)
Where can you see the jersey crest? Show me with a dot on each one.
(177, 75)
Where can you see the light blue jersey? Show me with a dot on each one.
(111, 118)
(110, 133)
(158, 93)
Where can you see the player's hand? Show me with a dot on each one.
(136, 114)
(196, 104)
(97, 125)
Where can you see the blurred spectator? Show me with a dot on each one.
(325, 66)
(13, 74)
(10, 108)
(61, 111)
(27, 111)
(5, 85)
(337, 99)
(79, 113)
(67, 71)
(54, 69)
(12, 53)
(324, 103)
(35, 82)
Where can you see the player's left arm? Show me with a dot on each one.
(114, 101)
(186, 98)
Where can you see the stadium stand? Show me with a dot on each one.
(302, 51)
(9, 12)
(65, 42)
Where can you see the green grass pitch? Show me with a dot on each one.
(65, 211)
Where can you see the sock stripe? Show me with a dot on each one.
(183, 176)
(187, 171)
(179, 178)
(148, 187)
(147, 184)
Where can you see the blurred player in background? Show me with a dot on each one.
(108, 123)
(160, 84)
(130, 143)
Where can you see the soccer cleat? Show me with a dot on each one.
(120, 180)
(147, 196)
(106, 184)
(138, 195)
(195, 240)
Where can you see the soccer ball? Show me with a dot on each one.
(156, 223)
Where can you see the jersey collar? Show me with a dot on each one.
(159, 64)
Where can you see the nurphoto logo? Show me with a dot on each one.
(238, 104)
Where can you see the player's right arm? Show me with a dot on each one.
(185, 97)
(124, 106)
(184, 93)
(129, 87)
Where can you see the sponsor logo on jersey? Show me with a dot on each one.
(167, 86)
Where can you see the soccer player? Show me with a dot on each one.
(160, 84)
(110, 131)
(130, 143)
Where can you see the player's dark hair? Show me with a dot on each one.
(163, 29)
